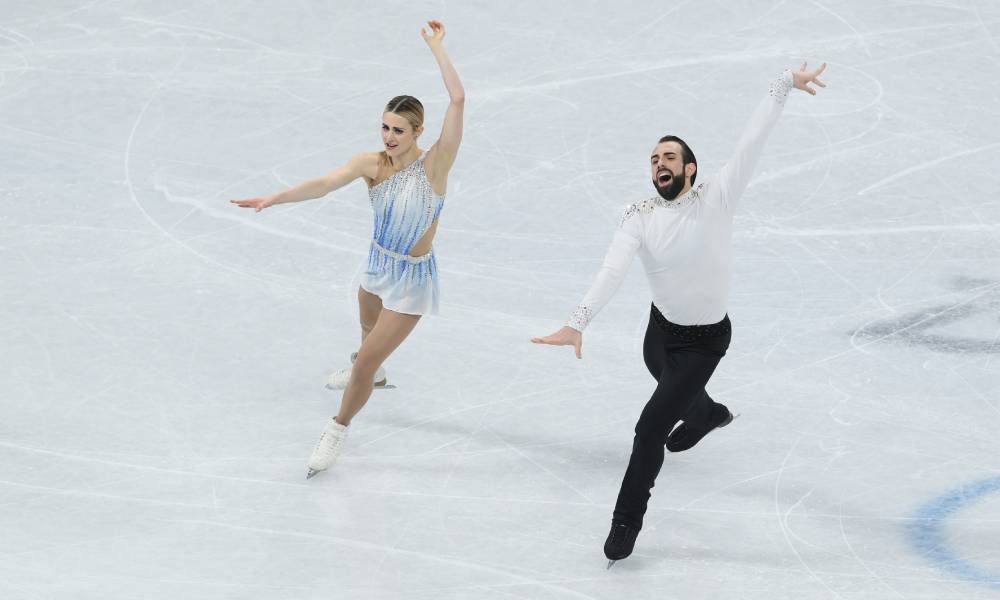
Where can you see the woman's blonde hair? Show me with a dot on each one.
(409, 108)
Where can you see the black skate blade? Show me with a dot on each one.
(312, 473)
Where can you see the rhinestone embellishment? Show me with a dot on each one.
(649, 205)
(781, 86)
(580, 318)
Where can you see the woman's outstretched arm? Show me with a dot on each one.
(442, 156)
(362, 165)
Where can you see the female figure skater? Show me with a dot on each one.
(406, 186)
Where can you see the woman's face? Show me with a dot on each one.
(398, 135)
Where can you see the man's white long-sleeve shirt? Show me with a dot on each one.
(686, 244)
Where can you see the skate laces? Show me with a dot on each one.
(336, 438)
(616, 533)
(620, 533)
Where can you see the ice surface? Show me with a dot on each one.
(164, 352)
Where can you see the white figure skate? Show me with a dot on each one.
(338, 380)
(328, 449)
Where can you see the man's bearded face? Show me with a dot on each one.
(669, 176)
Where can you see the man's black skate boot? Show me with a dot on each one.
(620, 542)
(684, 437)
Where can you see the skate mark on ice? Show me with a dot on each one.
(858, 34)
(783, 518)
(924, 166)
(113, 463)
(864, 564)
(391, 550)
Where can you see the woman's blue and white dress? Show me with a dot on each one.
(405, 208)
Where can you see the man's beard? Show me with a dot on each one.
(672, 189)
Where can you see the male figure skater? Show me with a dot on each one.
(683, 237)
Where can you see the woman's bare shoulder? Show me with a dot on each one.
(368, 164)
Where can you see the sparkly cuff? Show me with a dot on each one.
(781, 86)
(580, 318)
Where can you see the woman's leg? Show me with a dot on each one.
(369, 307)
(389, 331)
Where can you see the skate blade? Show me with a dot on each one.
(732, 417)
(378, 386)
(610, 564)
(312, 473)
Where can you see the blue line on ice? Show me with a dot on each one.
(927, 531)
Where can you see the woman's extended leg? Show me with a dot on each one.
(389, 331)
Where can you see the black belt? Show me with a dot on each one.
(691, 332)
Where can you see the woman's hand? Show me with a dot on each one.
(567, 336)
(258, 204)
(802, 77)
(436, 36)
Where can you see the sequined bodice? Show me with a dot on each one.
(405, 207)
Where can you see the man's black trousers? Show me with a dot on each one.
(681, 359)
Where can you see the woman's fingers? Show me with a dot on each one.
(437, 30)
(255, 203)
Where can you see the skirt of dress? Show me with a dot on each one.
(406, 284)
